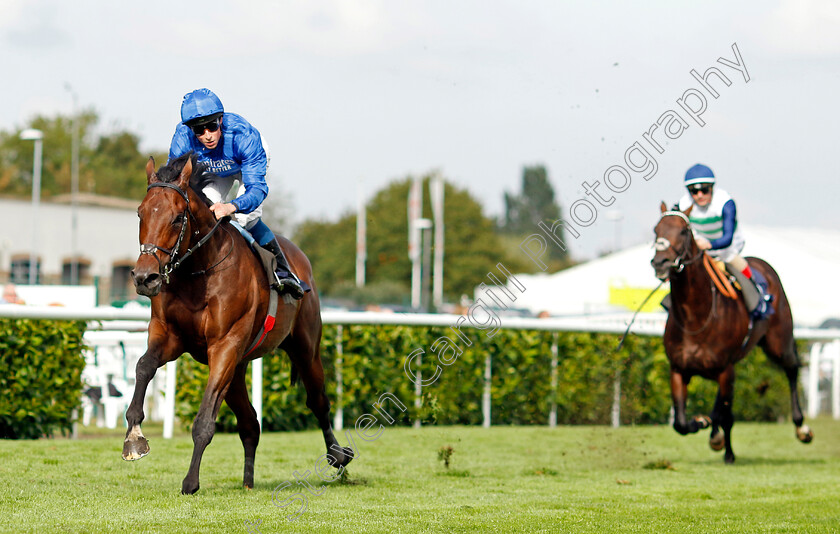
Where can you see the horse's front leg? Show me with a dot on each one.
(157, 354)
(722, 415)
(222, 360)
(679, 393)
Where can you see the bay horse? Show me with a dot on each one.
(210, 298)
(707, 333)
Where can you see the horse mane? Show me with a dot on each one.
(172, 171)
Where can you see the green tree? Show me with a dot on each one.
(109, 164)
(534, 204)
(331, 248)
(472, 248)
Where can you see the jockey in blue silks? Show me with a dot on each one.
(236, 164)
(715, 225)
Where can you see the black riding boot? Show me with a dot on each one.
(289, 283)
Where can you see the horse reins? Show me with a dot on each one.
(679, 265)
(172, 264)
(721, 281)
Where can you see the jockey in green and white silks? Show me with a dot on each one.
(717, 222)
(714, 222)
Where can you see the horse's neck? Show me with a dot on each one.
(219, 243)
(691, 288)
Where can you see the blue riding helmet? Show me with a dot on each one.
(699, 174)
(201, 104)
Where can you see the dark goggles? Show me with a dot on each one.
(694, 189)
(212, 126)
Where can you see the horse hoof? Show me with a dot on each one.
(729, 458)
(804, 434)
(135, 449)
(189, 488)
(338, 463)
(702, 421)
(717, 442)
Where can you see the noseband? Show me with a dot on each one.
(150, 248)
(662, 244)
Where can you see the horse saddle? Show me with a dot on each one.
(754, 291)
(269, 262)
(729, 281)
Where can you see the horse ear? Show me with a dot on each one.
(151, 175)
(686, 212)
(663, 207)
(186, 173)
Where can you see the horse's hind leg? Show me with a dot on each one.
(308, 364)
(246, 421)
(722, 415)
(789, 362)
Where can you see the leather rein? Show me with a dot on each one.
(173, 263)
(663, 244)
(679, 265)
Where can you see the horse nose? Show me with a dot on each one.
(146, 283)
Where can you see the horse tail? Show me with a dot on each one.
(295, 376)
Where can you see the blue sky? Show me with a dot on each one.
(350, 91)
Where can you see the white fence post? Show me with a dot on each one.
(552, 415)
(169, 399)
(616, 407)
(338, 420)
(257, 388)
(485, 401)
(814, 380)
(418, 390)
(835, 379)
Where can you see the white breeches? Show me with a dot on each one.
(730, 252)
(227, 188)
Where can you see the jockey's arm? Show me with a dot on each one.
(729, 223)
(254, 165)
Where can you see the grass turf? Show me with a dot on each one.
(503, 479)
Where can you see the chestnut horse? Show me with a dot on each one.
(210, 298)
(707, 333)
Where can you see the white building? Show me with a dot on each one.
(107, 243)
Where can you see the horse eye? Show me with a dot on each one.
(178, 219)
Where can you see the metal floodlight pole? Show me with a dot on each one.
(423, 227)
(436, 188)
(74, 190)
(415, 212)
(32, 134)
(361, 237)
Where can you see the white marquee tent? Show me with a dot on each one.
(806, 259)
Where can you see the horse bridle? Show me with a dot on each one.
(662, 243)
(172, 264)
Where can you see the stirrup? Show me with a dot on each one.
(289, 286)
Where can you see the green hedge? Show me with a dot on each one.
(373, 359)
(41, 365)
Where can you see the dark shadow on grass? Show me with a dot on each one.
(761, 460)
(457, 473)
(344, 480)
